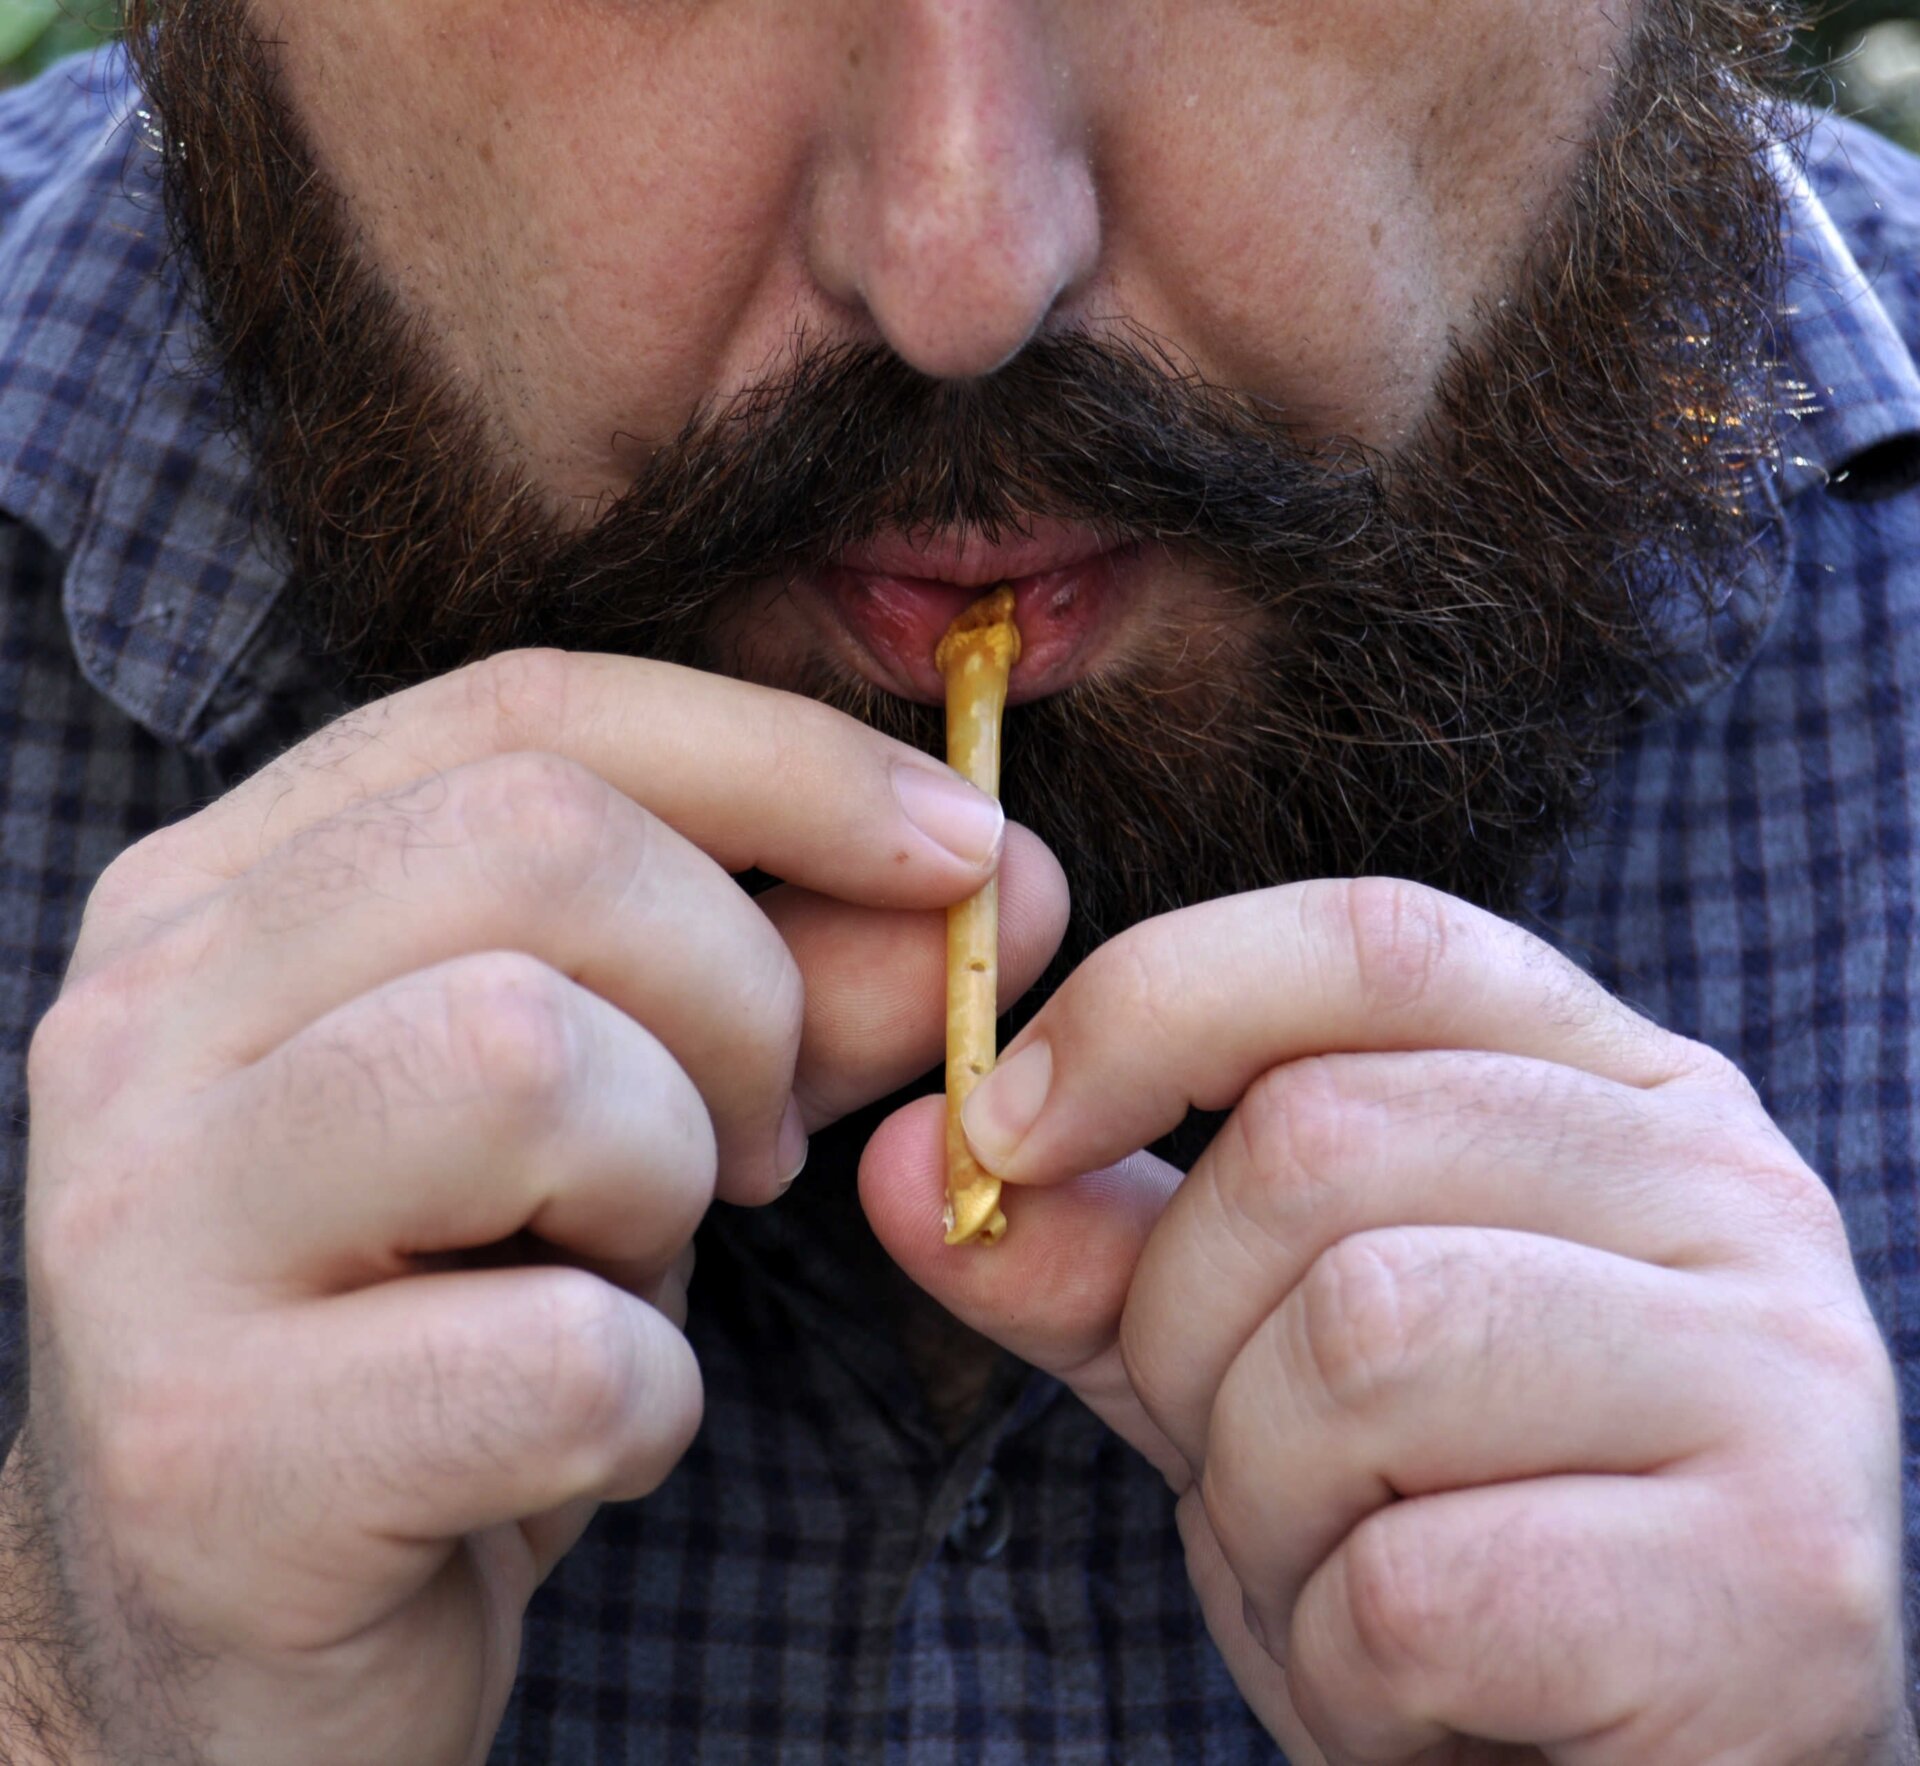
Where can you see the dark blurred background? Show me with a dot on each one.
(1861, 55)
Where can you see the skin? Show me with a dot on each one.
(626, 210)
(436, 979)
(470, 965)
(1479, 1347)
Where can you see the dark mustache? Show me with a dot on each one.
(849, 442)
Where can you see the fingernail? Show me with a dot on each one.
(1007, 1103)
(791, 1148)
(968, 823)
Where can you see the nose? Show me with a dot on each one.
(956, 203)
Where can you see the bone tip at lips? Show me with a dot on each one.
(987, 626)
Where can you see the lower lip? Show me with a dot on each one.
(1064, 615)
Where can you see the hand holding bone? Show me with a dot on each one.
(369, 1135)
(1508, 1364)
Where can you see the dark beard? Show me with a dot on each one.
(1423, 662)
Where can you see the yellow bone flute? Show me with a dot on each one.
(974, 658)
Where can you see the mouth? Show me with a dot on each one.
(885, 605)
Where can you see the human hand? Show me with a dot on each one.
(1509, 1365)
(369, 1135)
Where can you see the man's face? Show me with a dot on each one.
(1347, 388)
(608, 215)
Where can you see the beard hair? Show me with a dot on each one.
(1415, 665)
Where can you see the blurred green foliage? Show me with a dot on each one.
(1865, 53)
(34, 33)
(1866, 60)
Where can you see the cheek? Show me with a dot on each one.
(585, 213)
(631, 277)
(656, 243)
(1310, 281)
(1321, 199)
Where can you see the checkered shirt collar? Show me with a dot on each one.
(113, 446)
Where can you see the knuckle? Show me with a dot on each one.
(1840, 1580)
(330, 863)
(681, 1136)
(74, 1225)
(339, 1071)
(511, 1033)
(541, 825)
(1398, 1610)
(551, 1377)
(1859, 1360)
(1398, 935)
(1705, 1066)
(769, 1002)
(785, 993)
(619, 1405)
(518, 698)
(1360, 1320)
(590, 1361)
(87, 1202)
(1298, 1128)
(162, 1446)
(1798, 1208)
(1132, 980)
(673, 1403)
(1838, 1346)
(788, 734)
(123, 889)
(90, 1033)
(63, 1041)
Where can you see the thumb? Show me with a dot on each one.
(1052, 1291)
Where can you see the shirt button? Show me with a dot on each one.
(985, 1524)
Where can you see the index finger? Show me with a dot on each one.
(758, 779)
(1186, 1011)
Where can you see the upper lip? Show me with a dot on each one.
(969, 560)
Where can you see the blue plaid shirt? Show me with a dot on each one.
(825, 1578)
